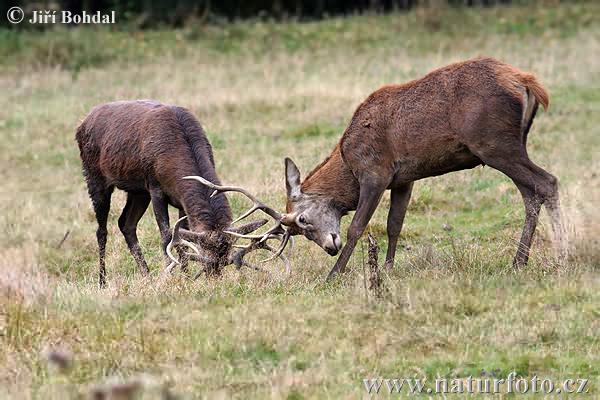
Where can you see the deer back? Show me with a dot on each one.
(425, 127)
(137, 145)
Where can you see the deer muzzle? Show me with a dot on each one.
(332, 244)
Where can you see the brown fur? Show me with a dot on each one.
(333, 173)
(457, 117)
(145, 148)
(426, 103)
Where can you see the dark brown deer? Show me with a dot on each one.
(146, 149)
(476, 112)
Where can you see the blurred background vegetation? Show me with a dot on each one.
(146, 29)
(153, 13)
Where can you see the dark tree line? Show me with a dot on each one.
(176, 12)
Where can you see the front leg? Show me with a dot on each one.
(161, 212)
(398, 204)
(184, 258)
(370, 194)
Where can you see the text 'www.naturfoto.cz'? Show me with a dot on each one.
(469, 385)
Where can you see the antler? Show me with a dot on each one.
(257, 204)
(237, 258)
(257, 242)
(176, 240)
(277, 229)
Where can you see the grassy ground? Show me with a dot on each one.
(264, 91)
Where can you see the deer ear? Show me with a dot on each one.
(292, 178)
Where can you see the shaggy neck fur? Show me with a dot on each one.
(333, 179)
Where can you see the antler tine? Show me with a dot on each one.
(279, 252)
(238, 257)
(246, 214)
(174, 261)
(257, 241)
(275, 230)
(263, 236)
(171, 266)
(254, 244)
(257, 204)
(176, 240)
(191, 246)
(175, 237)
(241, 235)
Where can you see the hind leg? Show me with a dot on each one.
(536, 186)
(100, 195)
(532, 204)
(552, 205)
(546, 192)
(134, 210)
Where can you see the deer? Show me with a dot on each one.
(473, 113)
(155, 153)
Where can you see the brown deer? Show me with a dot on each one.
(471, 113)
(146, 149)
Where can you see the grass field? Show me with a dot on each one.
(264, 91)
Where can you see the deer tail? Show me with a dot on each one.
(536, 88)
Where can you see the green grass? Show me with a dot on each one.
(453, 307)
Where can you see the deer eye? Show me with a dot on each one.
(301, 219)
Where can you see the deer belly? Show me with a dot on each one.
(434, 161)
(126, 173)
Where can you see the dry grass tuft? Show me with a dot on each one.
(22, 279)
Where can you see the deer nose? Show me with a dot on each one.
(337, 240)
(333, 245)
(332, 251)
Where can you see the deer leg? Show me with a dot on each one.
(161, 212)
(549, 189)
(532, 204)
(101, 202)
(369, 197)
(400, 197)
(183, 256)
(536, 186)
(552, 205)
(134, 210)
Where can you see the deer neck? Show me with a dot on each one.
(206, 213)
(334, 180)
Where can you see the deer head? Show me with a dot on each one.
(316, 217)
(222, 244)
